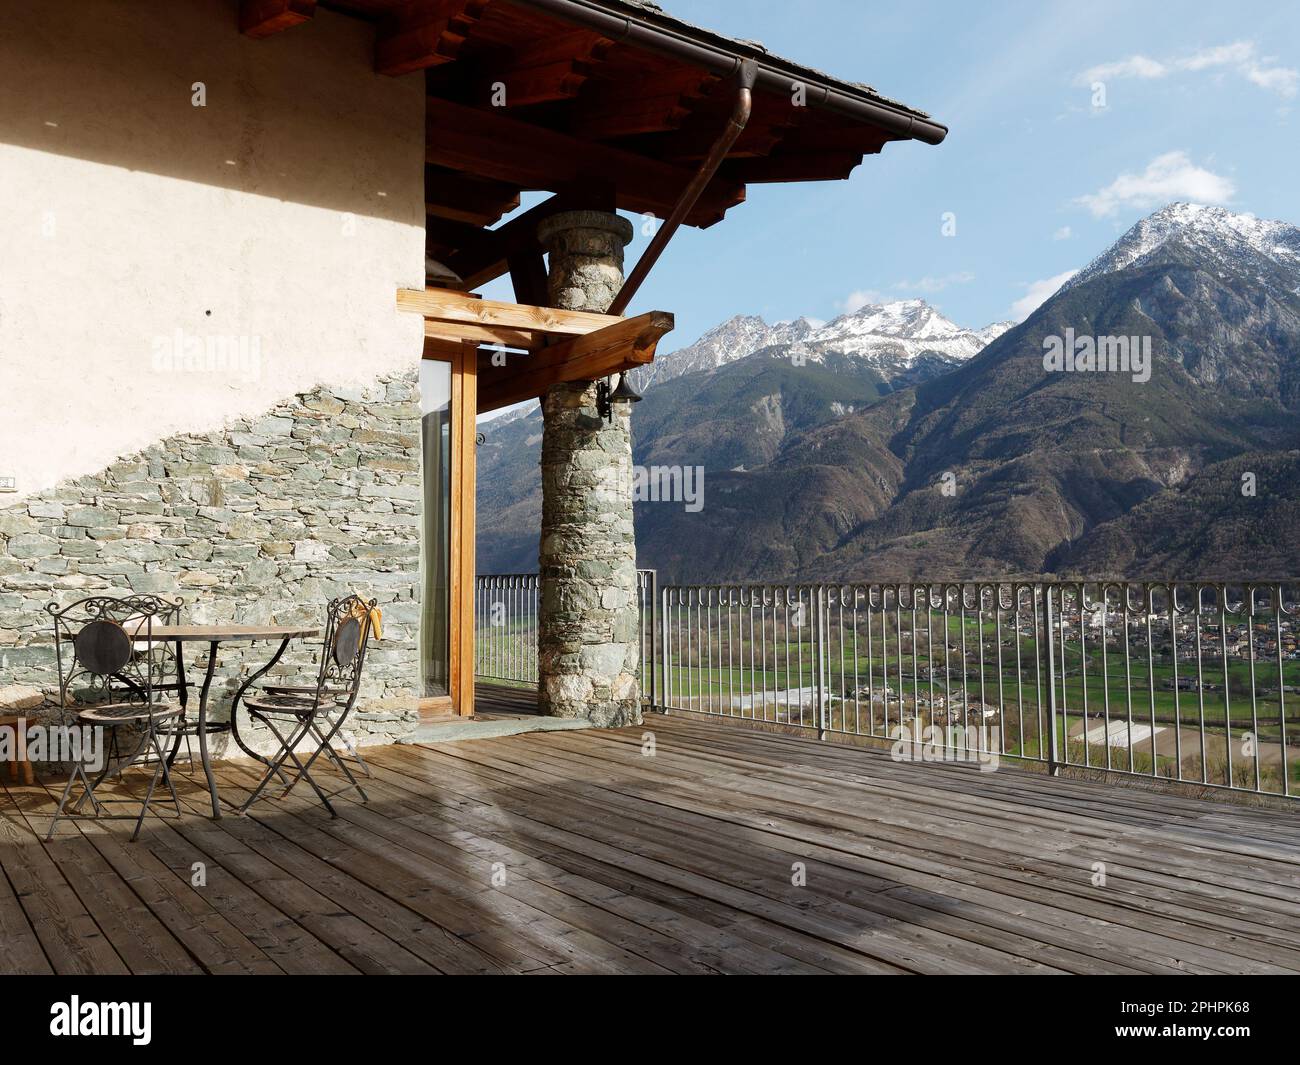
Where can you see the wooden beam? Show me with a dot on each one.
(528, 276)
(628, 343)
(488, 256)
(548, 69)
(452, 307)
(489, 144)
(630, 118)
(648, 104)
(424, 33)
(459, 198)
(525, 339)
(261, 18)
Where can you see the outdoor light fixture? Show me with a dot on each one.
(623, 392)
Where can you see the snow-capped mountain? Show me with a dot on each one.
(1239, 242)
(890, 336)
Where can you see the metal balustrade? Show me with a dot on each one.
(1185, 681)
(1191, 681)
(505, 630)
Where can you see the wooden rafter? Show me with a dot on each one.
(649, 104)
(502, 148)
(625, 345)
(424, 33)
(261, 18)
(550, 69)
(460, 198)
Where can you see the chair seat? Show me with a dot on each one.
(308, 690)
(121, 713)
(283, 705)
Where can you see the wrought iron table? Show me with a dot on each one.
(214, 636)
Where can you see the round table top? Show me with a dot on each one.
(227, 633)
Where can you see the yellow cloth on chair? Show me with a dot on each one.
(376, 618)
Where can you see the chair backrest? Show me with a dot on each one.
(347, 634)
(105, 648)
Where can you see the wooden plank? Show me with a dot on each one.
(628, 343)
(261, 18)
(910, 867)
(70, 937)
(526, 339)
(137, 936)
(444, 306)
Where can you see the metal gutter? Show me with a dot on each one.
(734, 128)
(773, 75)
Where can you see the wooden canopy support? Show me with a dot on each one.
(559, 345)
(625, 345)
(261, 18)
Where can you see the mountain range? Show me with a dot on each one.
(893, 444)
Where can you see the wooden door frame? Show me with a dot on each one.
(463, 358)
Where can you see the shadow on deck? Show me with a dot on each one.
(717, 849)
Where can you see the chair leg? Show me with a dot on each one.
(160, 770)
(275, 764)
(338, 760)
(304, 770)
(352, 749)
(63, 800)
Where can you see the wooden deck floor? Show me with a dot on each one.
(574, 852)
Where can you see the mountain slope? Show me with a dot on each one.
(732, 400)
(1040, 462)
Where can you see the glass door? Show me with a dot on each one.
(436, 532)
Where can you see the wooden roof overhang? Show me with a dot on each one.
(605, 103)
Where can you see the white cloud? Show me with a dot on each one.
(1240, 57)
(859, 298)
(1064, 233)
(929, 284)
(1172, 176)
(1036, 293)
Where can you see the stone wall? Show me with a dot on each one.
(263, 521)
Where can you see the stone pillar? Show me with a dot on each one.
(587, 623)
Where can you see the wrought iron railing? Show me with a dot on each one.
(1185, 681)
(1192, 681)
(505, 630)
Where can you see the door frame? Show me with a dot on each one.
(463, 358)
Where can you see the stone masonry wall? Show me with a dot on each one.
(262, 522)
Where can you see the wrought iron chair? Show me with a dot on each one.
(110, 672)
(295, 712)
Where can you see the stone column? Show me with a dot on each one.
(587, 623)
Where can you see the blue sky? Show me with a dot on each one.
(1202, 103)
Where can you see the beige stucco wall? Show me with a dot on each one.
(272, 225)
